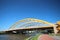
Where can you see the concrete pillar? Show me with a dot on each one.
(55, 29)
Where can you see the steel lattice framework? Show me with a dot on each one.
(28, 22)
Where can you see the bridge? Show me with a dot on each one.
(29, 24)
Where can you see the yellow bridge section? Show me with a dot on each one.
(31, 20)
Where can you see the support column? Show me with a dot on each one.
(55, 29)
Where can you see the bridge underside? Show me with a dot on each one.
(48, 29)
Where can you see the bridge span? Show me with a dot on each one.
(30, 24)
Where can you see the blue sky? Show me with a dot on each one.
(13, 10)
